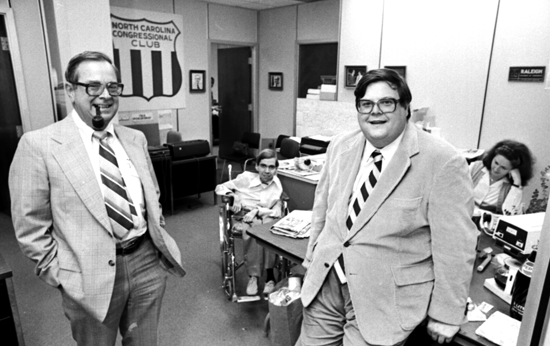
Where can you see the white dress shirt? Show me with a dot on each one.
(127, 170)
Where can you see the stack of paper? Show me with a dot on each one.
(501, 329)
(295, 225)
(313, 94)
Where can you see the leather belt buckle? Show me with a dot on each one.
(130, 246)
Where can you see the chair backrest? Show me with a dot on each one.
(173, 137)
(280, 140)
(252, 139)
(289, 148)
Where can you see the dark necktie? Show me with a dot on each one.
(119, 206)
(358, 200)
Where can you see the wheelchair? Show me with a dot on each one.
(229, 263)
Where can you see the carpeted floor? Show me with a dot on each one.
(195, 310)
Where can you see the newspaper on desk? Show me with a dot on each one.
(501, 329)
(295, 225)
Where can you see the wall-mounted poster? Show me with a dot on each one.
(148, 51)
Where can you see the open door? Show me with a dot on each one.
(235, 96)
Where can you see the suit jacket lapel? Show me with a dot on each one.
(393, 174)
(70, 153)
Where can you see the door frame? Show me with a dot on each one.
(254, 80)
(17, 64)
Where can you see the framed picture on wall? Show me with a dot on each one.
(275, 80)
(354, 74)
(402, 70)
(196, 81)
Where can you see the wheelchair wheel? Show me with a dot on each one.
(228, 281)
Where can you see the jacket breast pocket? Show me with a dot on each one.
(413, 289)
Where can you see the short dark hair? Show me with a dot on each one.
(71, 73)
(517, 153)
(392, 78)
(267, 154)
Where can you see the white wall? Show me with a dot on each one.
(194, 121)
(360, 34)
(280, 32)
(520, 110)
(318, 21)
(446, 47)
(277, 48)
(232, 24)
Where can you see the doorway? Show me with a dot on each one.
(10, 116)
(234, 91)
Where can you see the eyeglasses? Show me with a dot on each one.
(96, 89)
(386, 105)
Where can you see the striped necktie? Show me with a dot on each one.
(358, 200)
(360, 196)
(119, 206)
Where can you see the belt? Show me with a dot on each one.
(130, 246)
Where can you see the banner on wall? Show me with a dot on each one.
(148, 51)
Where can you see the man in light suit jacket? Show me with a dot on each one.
(110, 277)
(408, 253)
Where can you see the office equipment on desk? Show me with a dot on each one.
(313, 146)
(188, 149)
(517, 234)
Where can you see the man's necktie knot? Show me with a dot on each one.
(101, 135)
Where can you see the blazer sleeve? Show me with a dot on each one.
(320, 206)
(454, 238)
(31, 208)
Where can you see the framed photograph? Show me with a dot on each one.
(402, 70)
(275, 80)
(196, 81)
(354, 74)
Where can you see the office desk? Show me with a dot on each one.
(183, 178)
(10, 325)
(299, 188)
(295, 249)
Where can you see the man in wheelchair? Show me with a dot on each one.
(256, 200)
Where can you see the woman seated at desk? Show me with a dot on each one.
(499, 177)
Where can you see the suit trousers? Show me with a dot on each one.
(135, 304)
(330, 318)
(256, 257)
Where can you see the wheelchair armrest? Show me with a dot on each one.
(228, 199)
(284, 197)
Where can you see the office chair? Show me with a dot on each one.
(173, 137)
(279, 141)
(289, 149)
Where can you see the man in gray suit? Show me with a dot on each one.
(85, 210)
(392, 243)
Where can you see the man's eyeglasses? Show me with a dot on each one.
(96, 89)
(386, 105)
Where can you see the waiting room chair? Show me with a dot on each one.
(289, 149)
